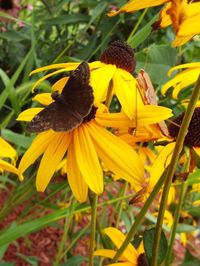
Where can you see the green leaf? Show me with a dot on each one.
(16, 138)
(187, 228)
(156, 61)
(68, 19)
(75, 260)
(148, 240)
(194, 178)
(189, 260)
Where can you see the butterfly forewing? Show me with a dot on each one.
(69, 108)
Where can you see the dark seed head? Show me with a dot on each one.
(142, 260)
(91, 115)
(119, 54)
(6, 4)
(193, 136)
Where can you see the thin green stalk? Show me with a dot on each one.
(139, 218)
(119, 212)
(172, 168)
(93, 228)
(68, 220)
(137, 25)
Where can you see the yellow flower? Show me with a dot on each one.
(135, 5)
(7, 151)
(183, 15)
(183, 79)
(130, 257)
(111, 75)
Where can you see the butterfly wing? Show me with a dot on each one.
(77, 93)
(69, 108)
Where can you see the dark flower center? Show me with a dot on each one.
(142, 260)
(91, 115)
(193, 136)
(119, 54)
(6, 4)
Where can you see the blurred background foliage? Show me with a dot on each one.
(46, 32)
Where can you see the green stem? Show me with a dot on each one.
(119, 212)
(172, 167)
(139, 218)
(68, 220)
(93, 228)
(175, 223)
(137, 25)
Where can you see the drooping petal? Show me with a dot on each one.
(53, 155)
(188, 65)
(160, 164)
(118, 156)
(7, 151)
(180, 40)
(118, 238)
(37, 147)
(135, 5)
(96, 64)
(124, 85)
(28, 114)
(10, 168)
(87, 159)
(100, 79)
(43, 98)
(77, 183)
(67, 66)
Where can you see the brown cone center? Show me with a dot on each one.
(193, 136)
(119, 54)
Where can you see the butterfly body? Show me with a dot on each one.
(70, 107)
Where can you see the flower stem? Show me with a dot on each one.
(124, 188)
(93, 203)
(172, 167)
(139, 218)
(137, 25)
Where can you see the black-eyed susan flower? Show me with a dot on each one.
(182, 79)
(84, 145)
(8, 152)
(111, 75)
(130, 257)
(183, 15)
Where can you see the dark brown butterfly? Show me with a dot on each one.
(70, 107)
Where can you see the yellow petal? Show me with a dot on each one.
(115, 120)
(109, 253)
(53, 155)
(126, 91)
(28, 114)
(6, 150)
(188, 65)
(96, 64)
(77, 183)
(160, 164)
(135, 5)
(59, 85)
(190, 26)
(87, 159)
(123, 264)
(8, 167)
(180, 40)
(118, 156)
(37, 147)
(67, 66)
(118, 238)
(100, 79)
(152, 114)
(43, 98)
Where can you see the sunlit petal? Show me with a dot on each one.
(53, 155)
(9, 167)
(59, 85)
(118, 238)
(77, 183)
(96, 64)
(28, 114)
(100, 79)
(7, 151)
(87, 159)
(37, 147)
(118, 156)
(189, 65)
(160, 164)
(43, 98)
